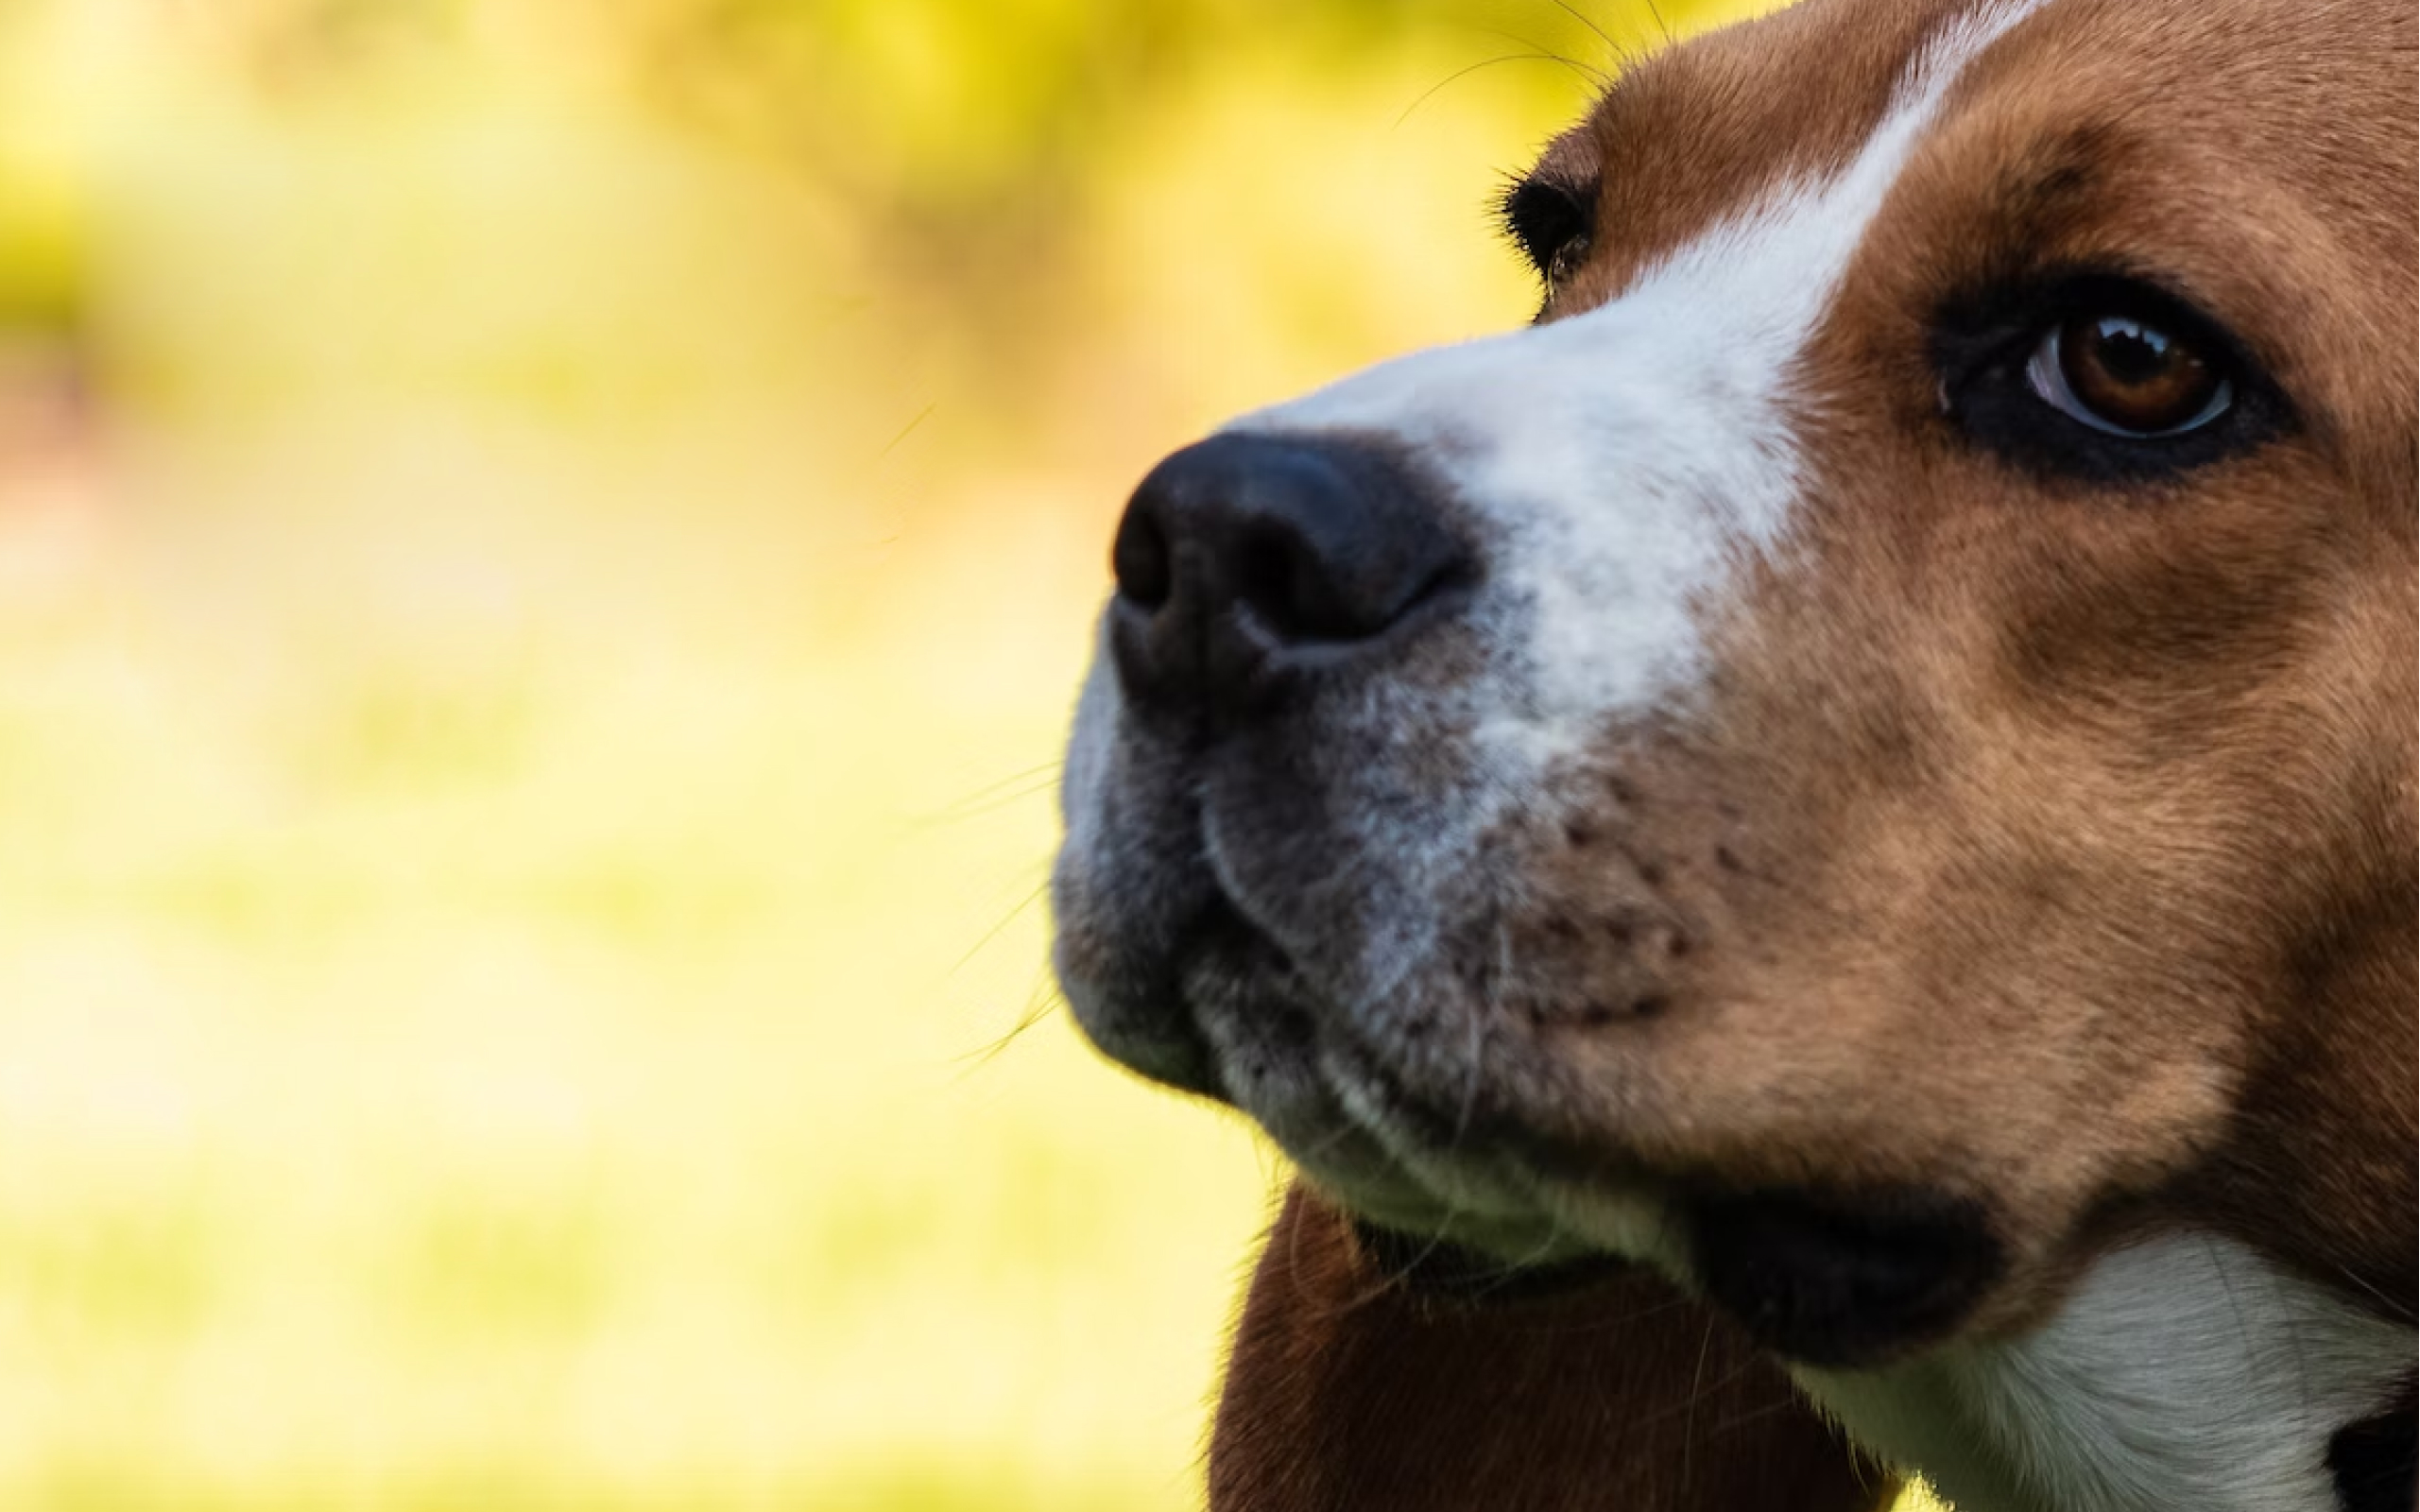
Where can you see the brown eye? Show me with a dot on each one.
(2127, 377)
(1567, 262)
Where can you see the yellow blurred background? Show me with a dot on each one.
(545, 547)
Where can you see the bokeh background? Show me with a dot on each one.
(545, 547)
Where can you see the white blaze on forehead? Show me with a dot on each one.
(1621, 454)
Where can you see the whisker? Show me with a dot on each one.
(1621, 55)
(1036, 770)
(1688, 1424)
(1587, 71)
(1428, 94)
(908, 429)
(1512, 1271)
(994, 795)
(1786, 1403)
(994, 932)
(1041, 1000)
(1659, 20)
(2397, 1307)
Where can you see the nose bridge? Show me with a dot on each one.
(1536, 431)
(1523, 425)
(1613, 463)
(1440, 405)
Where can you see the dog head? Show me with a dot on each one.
(1867, 754)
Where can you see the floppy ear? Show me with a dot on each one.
(1350, 1393)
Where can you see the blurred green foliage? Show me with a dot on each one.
(44, 239)
(958, 158)
(544, 550)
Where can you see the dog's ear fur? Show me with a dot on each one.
(1350, 1393)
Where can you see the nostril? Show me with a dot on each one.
(1138, 560)
(1280, 580)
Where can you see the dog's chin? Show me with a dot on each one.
(1486, 1237)
(1435, 1208)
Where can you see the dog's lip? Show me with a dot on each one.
(1441, 1267)
(1462, 1176)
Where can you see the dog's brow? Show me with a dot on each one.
(1570, 162)
(2054, 183)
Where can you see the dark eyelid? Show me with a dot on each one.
(1980, 324)
(1542, 212)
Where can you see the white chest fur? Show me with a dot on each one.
(2187, 1374)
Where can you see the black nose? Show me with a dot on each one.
(1242, 556)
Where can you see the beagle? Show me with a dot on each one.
(1813, 857)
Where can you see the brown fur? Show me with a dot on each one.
(2072, 830)
(1348, 1394)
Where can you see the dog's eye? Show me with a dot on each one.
(2127, 376)
(1552, 224)
(2101, 376)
